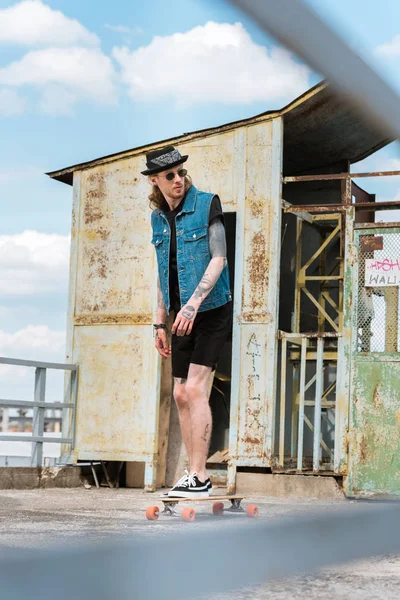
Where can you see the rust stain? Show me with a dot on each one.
(103, 233)
(258, 266)
(371, 242)
(73, 219)
(97, 261)
(248, 439)
(363, 450)
(96, 234)
(118, 319)
(94, 198)
(376, 396)
(256, 204)
(257, 317)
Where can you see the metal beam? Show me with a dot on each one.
(336, 176)
(34, 363)
(28, 404)
(35, 439)
(299, 28)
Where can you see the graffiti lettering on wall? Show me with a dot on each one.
(254, 430)
(384, 272)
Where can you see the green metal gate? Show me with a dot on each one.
(374, 451)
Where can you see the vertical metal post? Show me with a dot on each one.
(4, 421)
(150, 474)
(38, 417)
(343, 373)
(323, 286)
(283, 404)
(297, 293)
(341, 269)
(301, 403)
(74, 394)
(345, 191)
(318, 402)
(295, 410)
(392, 318)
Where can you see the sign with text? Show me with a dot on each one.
(382, 272)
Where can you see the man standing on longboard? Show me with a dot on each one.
(193, 282)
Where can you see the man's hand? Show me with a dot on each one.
(161, 343)
(184, 320)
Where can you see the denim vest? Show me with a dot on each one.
(192, 251)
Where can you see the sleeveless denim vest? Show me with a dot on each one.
(192, 251)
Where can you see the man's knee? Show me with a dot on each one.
(195, 392)
(180, 397)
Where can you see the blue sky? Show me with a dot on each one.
(79, 80)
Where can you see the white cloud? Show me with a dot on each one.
(217, 62)
(33, 263)
(81, 72)
(391, 164)
(379, 161)
(34, 23)
(57, 100)
(30, 339)
(11, 103)
(390, 49)
(33, 342)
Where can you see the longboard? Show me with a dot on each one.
(189, 514)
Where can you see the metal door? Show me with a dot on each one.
(374, 452)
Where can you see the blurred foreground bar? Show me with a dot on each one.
(297, 27)
(167, 566)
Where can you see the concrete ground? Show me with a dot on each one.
(43, 517)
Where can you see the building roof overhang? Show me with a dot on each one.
(321, 130)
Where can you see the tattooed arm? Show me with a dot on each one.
(216, 234)
(161, 336)
(161, 310)
(216, 265)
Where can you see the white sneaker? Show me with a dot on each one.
(178, 483)
(191, 487)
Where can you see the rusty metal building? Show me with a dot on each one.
(309, 382)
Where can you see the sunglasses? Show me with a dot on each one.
(171, 176)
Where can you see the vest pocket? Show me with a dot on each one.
(196, 243)
(157, 240)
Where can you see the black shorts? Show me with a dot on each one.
(204, 344)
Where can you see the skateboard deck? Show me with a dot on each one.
(189, 514)
(222, 497)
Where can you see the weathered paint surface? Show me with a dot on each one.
(375, 437)
(374, 428)
(256, 289)
(345, 350)
(123, 403)
(112, 414)
(114, 262)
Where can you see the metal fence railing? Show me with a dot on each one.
(307, 376)
(39, 406)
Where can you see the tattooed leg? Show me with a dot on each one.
(198, 389)
(180, 397)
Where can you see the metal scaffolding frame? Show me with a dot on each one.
(319, 349)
